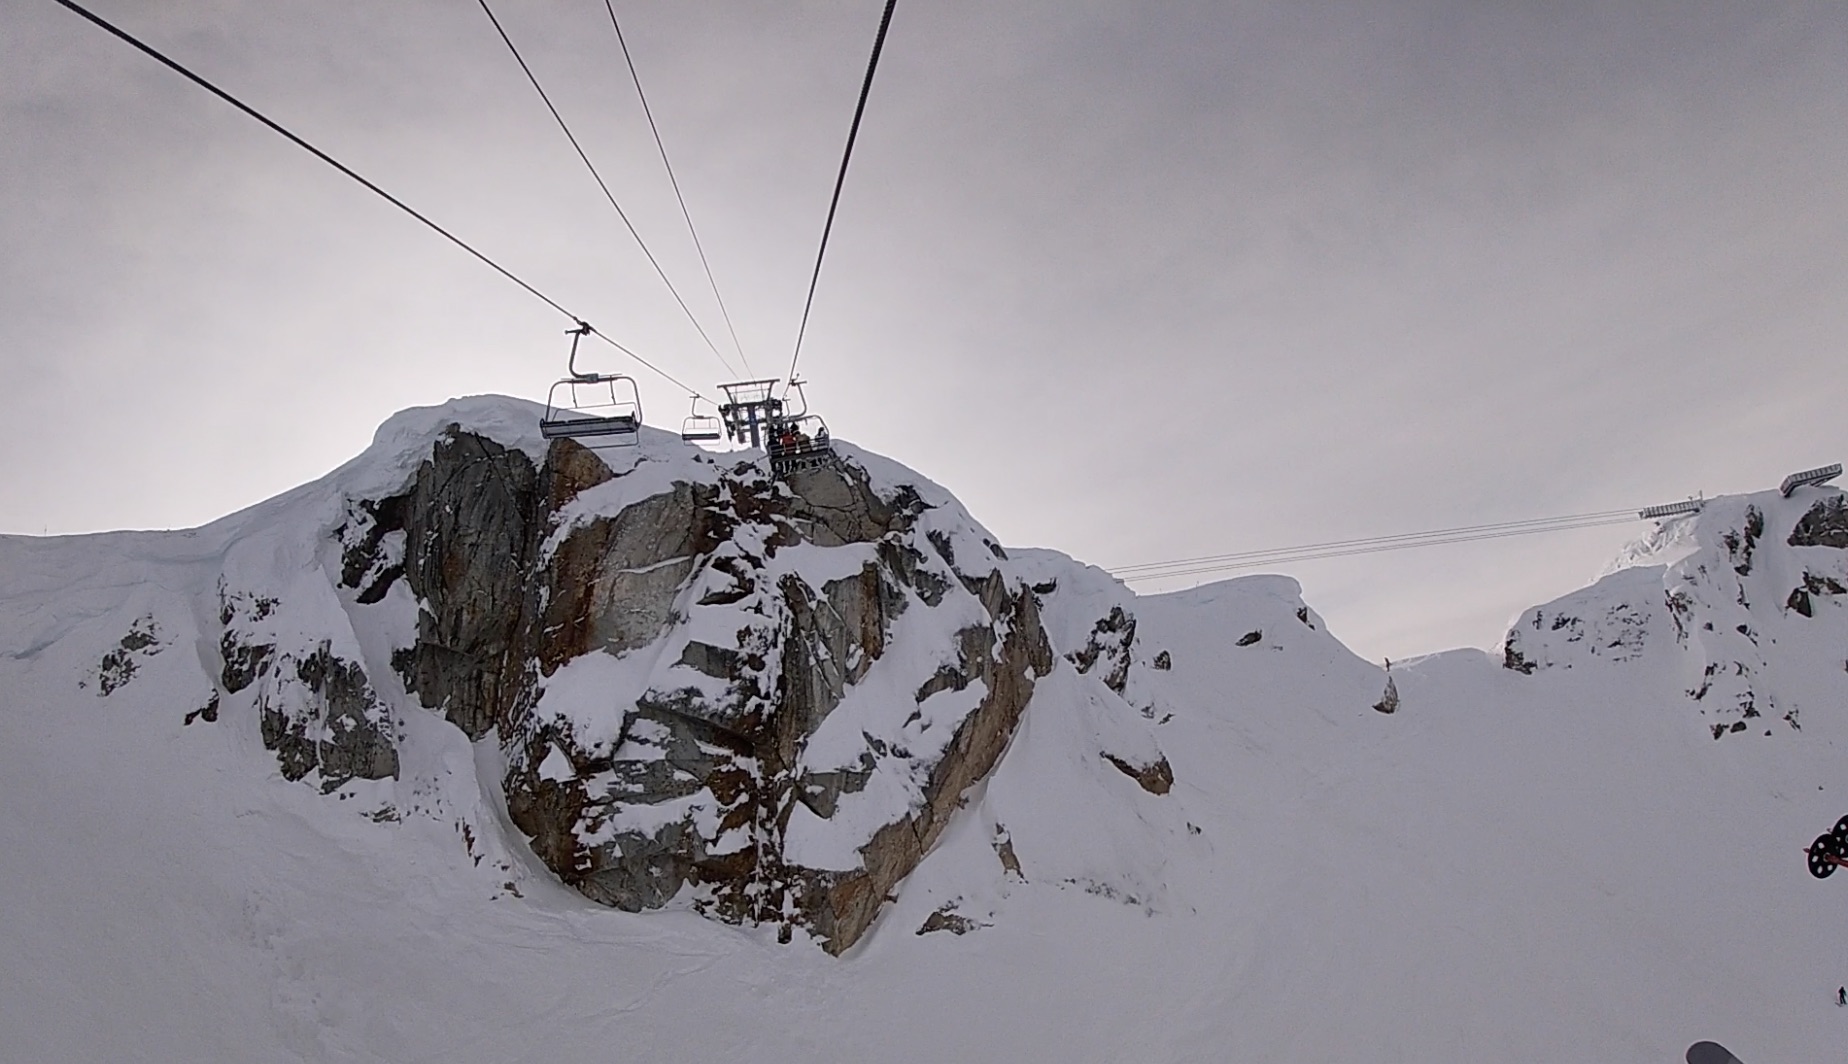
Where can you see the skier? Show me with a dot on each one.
(1841, 995)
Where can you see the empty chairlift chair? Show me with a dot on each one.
(601, 408)
(699, 428)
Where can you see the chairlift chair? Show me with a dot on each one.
(606, 407)
(801, 443)
(755, 416)
(700, 427)
(801, 439)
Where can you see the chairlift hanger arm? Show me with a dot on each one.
(583, 329)
(795, 385)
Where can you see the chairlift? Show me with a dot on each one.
(699, 427)
(755, 416)
(801, 442)
(606, 407)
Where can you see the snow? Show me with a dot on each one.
(650, 468)
(587, 694)
(1556, 866)
(557, 766)
(1670, 541)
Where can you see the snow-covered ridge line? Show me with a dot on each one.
(366, 772)
(1723, 604)
(760, 698)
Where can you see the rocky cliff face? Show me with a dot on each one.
(1722, 599)
(761, 696)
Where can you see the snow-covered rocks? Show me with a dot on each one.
(1196, 831)
(760, 698)
(1722, 602)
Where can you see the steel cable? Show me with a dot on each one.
(1366, 540)
(1372, 545)
(684, 213)
(277, 128)
(840, 179)
(607, 194)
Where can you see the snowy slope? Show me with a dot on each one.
(1202, 843)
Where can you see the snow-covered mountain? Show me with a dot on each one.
(1737, 605)
(479, 748)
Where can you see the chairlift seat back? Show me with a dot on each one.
(614, 416)
(698, 428)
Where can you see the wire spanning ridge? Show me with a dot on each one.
(840, 179)
(684, 213)
(1370, 545)
(607, 194)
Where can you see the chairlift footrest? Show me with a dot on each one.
(573, 428)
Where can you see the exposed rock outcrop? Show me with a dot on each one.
(1825, 525)
(1389, 699)
(316, 707)
(691, 676)
(761, 697)
(1155, 778)
(1111, 643)
(1707, 596)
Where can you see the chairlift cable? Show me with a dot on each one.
(840, 179)
(275, 127)
(1376, 549)
(1372, 545)
(684, 213)
(658, 371)
(607, 194)
(312, 150)
(1280, 559)
(1537, 524)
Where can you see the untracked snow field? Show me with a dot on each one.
(1564, 866)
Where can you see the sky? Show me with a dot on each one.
(1136, 282)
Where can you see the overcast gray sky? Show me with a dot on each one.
(1136, 281)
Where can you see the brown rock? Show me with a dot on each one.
(1157, 778)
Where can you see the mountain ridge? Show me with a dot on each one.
(1196, 835)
